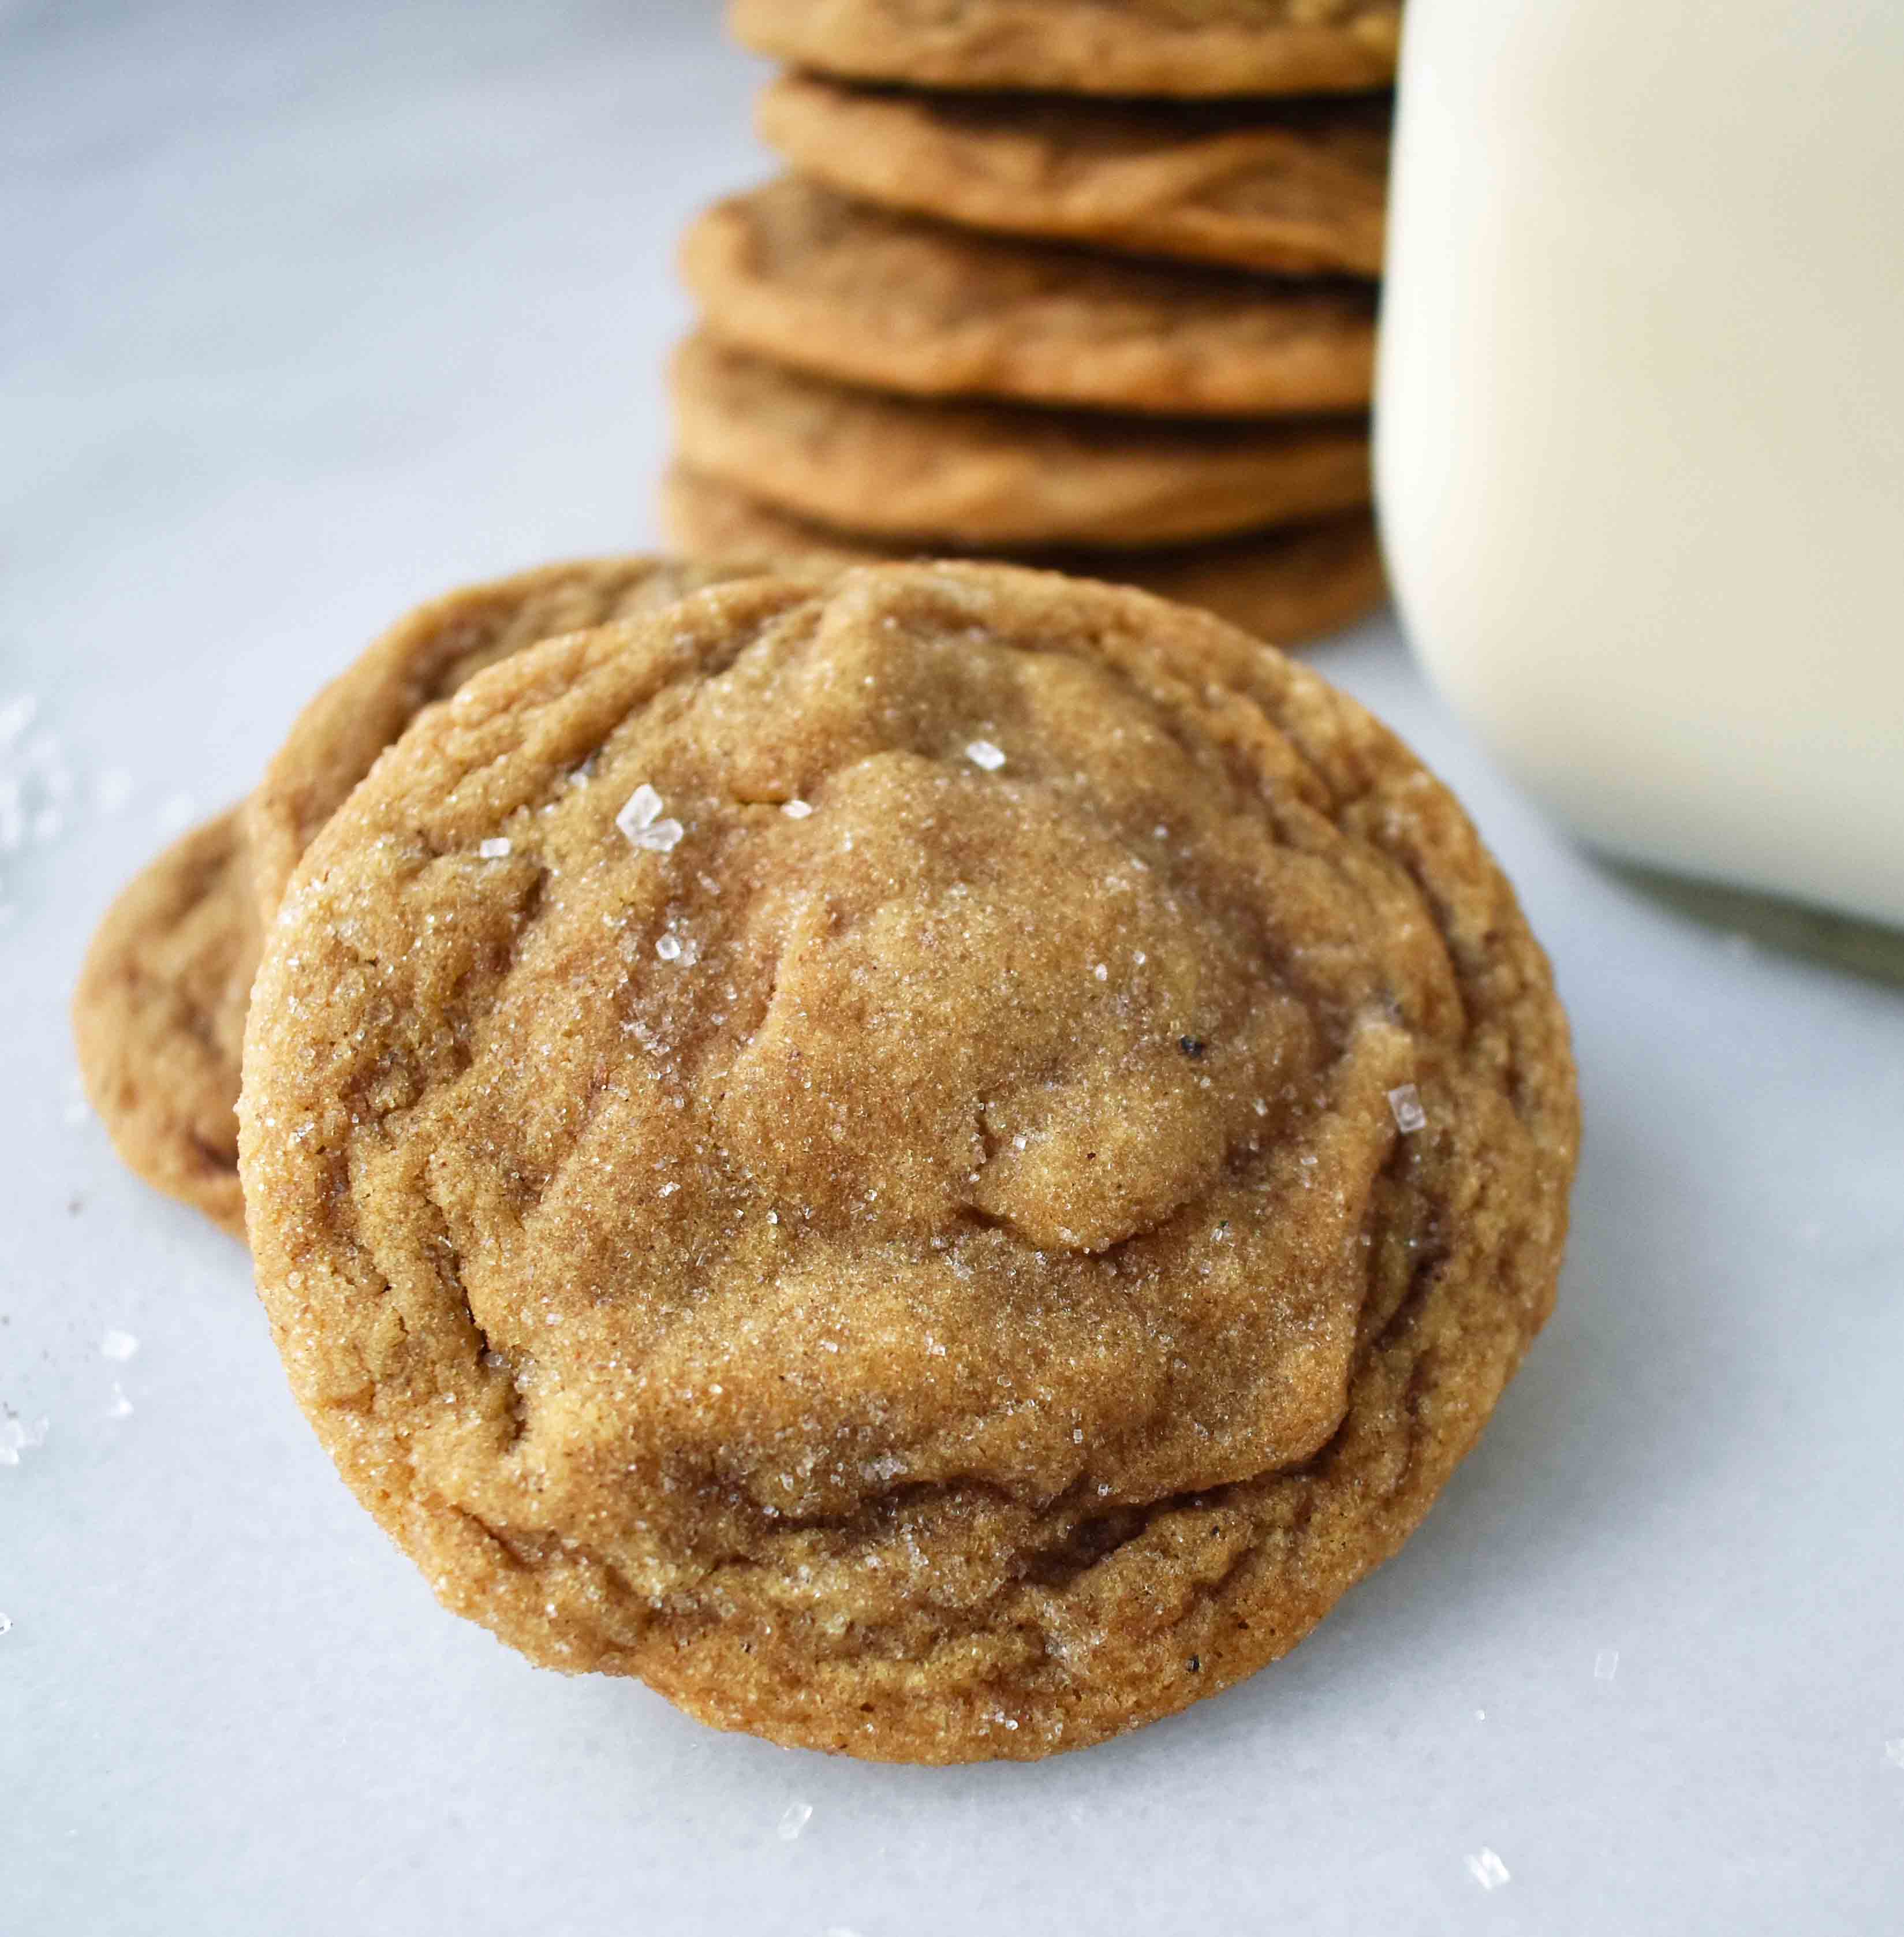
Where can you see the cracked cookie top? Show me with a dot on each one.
(933, 1165)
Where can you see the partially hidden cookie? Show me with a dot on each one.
(848, 290)
(1090, 47)
(970, 475)
(1298, 190)
(423, 659)
(158, 1012)
(1287, 586)
(159, 1018)
(936, 1167)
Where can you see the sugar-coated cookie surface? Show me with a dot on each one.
(867, 296)
(159, 1017)
(1093, 46)
(934, 1166)
(959, 474)
(1286, 586)
(424, 658)
(1299, 189)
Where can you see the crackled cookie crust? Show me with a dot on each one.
(934, 1166)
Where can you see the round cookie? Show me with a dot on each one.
(1088, 47)
(847, 290)
(424, 658)
(1286, 586)
(971, 475)
(159, 1018)
(1293, 190)
(950, 1200)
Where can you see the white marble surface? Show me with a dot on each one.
(307, 311)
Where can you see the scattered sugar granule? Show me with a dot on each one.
(662, 838)
(983, 753)
(668, 1189)
(1406, 1104)
(119, 1345)
(669, 948)
(493, 849)
(1487, 1869)
(1894, 1753)
(1606, 1664)
(1101, 972)
(6, 1624)
(797, 810)
(119, 1406)
(17, 1437)
(793, 1820)
(639, 812)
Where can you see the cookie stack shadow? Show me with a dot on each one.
(1099, 294)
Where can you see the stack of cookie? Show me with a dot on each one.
(1088, 283)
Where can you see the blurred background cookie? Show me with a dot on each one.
(1088, 47)
(1296, 188)
(1292, 583)
(973, 473)
(849, 290)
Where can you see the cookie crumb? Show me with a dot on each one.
(983, 753)
(1405, 1102)
(119, 1345)
(493, 849)
(1487, 1869)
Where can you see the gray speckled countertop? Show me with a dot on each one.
(308, 312)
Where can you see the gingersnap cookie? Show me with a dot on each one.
(1086, 46)
(1294, 189)
(159, 1018)
(934, 1166)
(973, 475)
(1286, 586)
(844, 290)
(424, 658)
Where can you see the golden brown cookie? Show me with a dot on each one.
(1298, 190)
(159, 1018)
(1086, 46)
(967, 475)
(1287, 586)
(847, 290)
(424, 658)
(935, 1167)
